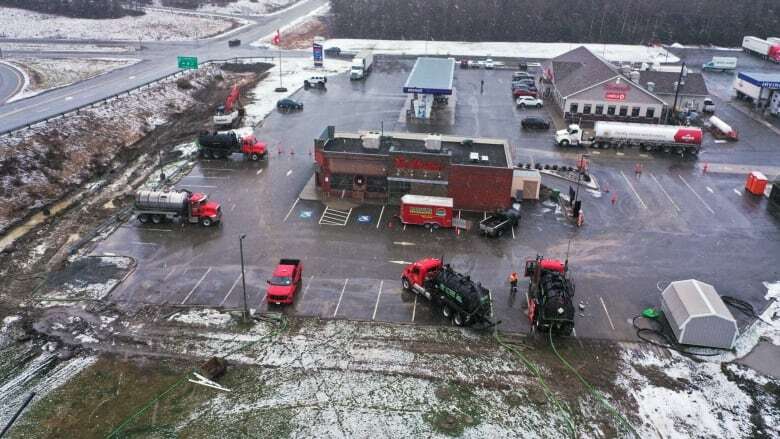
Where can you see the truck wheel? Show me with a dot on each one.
(435, 226)
(157, 219)
(405, 284)
(143, 218)
(427, 225)
(564, 143)
(206, 222)
(254, 157)
(446, 311)
(459, 319)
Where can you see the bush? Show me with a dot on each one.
(183, 83)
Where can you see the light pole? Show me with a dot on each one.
(243, 280)
(680, 83)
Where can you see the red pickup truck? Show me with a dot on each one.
(285, 282)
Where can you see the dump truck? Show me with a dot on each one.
(229, 114)
(159, 206)
(285, 282)
(667, 138)
(457, 296)
(500, 222)
(550, 296)
(223, 144)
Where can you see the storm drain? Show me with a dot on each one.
(335, 217)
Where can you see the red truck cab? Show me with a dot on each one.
(253, 148)
(423, 210)
(285, 282)
(417, 273)
(202, 210)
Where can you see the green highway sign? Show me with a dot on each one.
(188, 62)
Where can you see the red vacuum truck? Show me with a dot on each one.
(458, 297)
(667, 138)
(550, 296)
(159, 206)
(220, 145)
(229, 115)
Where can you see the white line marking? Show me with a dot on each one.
(341, 296)
(379, 221)
(131, 77)
(230, 290)
(205, 177)
(414, 307)
(217, 169)
(199, 185)
(490, 297)
(484, 215)
(67, 98)
(736, 191)
(605, 310)
(307, 287)
(259, 171)
(620, 153)
(149, 229)
(403, 243)
(665, 193)
(169, 274)
(232, 207)
(376, 306)
(640, 155)
(196, 285)
(644, 206)
(710, 189)
(291, 209)
(513, 233)
(697, 195)
(142, 243)
(289, 172)
(404, 227)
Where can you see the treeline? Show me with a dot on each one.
(717, 22)
(81, 8)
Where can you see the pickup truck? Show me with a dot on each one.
(495, 225)
(285, 282)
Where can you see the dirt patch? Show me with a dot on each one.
(301, 36)
(260, 67)
(659, 378)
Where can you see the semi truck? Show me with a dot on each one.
(285, 282)
(720, 63)
(550, 296)
(500, 222)
(769, 50)
(457, 296)
(722, 129)
(159, 206)
(667, 138)
(223, 144)
(427, 211)
(229, 114)
(361, 65)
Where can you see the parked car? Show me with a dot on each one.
(289, 104)
(234, 43)
(315, 81)
(333, 51)
(536, 123)
(523, 91)
(708, 106)
(489, 64)
(528, 101)
(525, 86)
(520, 81)
(521, 75)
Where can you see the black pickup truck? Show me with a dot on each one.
(495, 225)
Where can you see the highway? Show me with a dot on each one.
(158, 59)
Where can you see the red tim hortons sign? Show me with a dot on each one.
(616, 91)
(407, 163)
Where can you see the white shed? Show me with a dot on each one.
(698, 315)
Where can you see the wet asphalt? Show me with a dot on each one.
(671, 222)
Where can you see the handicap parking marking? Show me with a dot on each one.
(305, 214)
(335, 217)
(364, 219)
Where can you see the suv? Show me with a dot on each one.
(521, 75)
(289, 104)
(528, 101)
(535, 123)
(315, 81)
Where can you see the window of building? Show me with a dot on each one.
(650, 112)
(635, 112)
(599, 109)
(611, 110)
(573, 108)
(623, 110)
(586, 109)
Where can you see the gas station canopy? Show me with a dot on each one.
(431, 76)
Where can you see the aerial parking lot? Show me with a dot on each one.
(678, 218)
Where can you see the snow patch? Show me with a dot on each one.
(202, 317)
(248, 7)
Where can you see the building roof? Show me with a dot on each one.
(579, 69)
(688, 299)
(764, 80)
(495, 152)
(431, 76)
(664, 83)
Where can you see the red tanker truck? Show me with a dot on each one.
(159, 206)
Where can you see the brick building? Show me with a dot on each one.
(475, 173)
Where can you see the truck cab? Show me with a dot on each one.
(253, 148)
(204, 211)
(570, 136)
(417, 274)
(285, 282)
(357, 71)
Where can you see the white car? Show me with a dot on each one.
(528, 101)
(489, 64)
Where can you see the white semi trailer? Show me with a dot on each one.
(667, 138)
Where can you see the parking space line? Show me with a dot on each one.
(199, 185)
(379, 221)
(259, 171)
(196, 285)
(173, 270)
(605, 310)
(697, 195)
(217, 169)
(341, 296)
(414, 308)
(291, 209)
(230, 290)
(149, 229)
(664, 191)
(513, 233)
(205, 177)
(289, 172)
(644, 206)
(305, 289)
(736, 191)
(376, 305)
(709, 189)
(262, 297)
(142, 243)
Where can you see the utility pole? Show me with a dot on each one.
(680, 83)
(243, 279)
